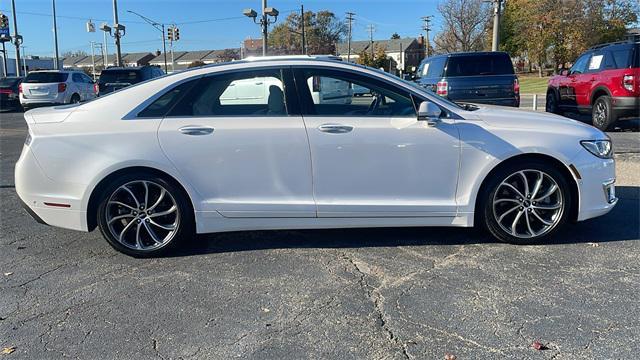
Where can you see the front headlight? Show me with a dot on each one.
(599, 148)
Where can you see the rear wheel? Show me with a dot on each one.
(144, 215)
(75, 99)
(602, 115)
(525, 203)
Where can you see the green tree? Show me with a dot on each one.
(322, 31)
(395, 35)
(379, 59)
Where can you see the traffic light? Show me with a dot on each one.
(176, 34)
(170, 34)
(4, 21)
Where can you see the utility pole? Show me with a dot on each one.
(264, 21)
(304, 41)
(496, 25)
(371, 29)
(116, 33)
(265, 28)
(350, 18)
(55, 35)
(4, 37)
(427, 27)
(93, 60)
(17, 39)
(24, 60)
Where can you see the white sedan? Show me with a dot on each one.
(245, 146)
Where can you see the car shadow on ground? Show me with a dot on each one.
(619, 225)
(622, 125)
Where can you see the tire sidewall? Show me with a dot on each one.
(488, 218)
(608, 120)
(185, 227)
(551, 104)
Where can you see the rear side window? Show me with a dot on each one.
(622, 58)
(437, 67)
(245, 93)
(479, 65)
(164, 103)
(46, 77)
(120, 76)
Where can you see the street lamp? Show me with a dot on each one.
(160, 27)
(264, 21)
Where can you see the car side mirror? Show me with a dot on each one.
(564, 72)
(429, 112)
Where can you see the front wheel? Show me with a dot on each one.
(144, 215)
(551, 104)
(525, 203)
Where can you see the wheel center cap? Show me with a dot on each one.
(142, 215)
(527, 203)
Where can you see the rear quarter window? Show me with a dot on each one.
(46, 77)
(479, 65)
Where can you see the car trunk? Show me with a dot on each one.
(43, 85)
(481, 88)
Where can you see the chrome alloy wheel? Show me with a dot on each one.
(142, 215)
(528, 204)
(600, 113)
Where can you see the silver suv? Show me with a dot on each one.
(53, 87)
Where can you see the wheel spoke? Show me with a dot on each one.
(122, 204)
(163, 213)
(537, 185)
(165, 227)
(535, 213)
(549, 192)
(127, 227)
(138, 241)
(146, 193)
(547, 207)
(152, 233)
(124, 216)
(507, 213)
(160, 197)
(513, 188)
(526, 217)
(525, 181)
(515, 223)
(132, 194)
(506, 200)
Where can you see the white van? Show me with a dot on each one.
(330, 91)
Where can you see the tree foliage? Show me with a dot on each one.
(322, 31)
(464, 26)
(379, 59)
(395, 35)
(557, 31)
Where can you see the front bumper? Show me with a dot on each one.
(596, 185)
(42, 196)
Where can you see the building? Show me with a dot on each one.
(404, 54)
(251, 47)
(29, 63)
(159, 60)
(86, 62)
(633, 34)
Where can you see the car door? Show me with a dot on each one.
(372, 158)
(572, 84)
(247, 157)
(89, 88)
(78, 85)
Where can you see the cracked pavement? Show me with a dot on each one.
(408, 293)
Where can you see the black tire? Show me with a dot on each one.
(602, 115)
(184, 216)
(551, 103)
(488, 217)
(75, 99)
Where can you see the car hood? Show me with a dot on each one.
(513, 118)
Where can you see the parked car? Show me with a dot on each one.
(603, 82)
(153, 163)
(9, 98)
(116, 78)
(360, 90)
(53, 87)
(474, 77)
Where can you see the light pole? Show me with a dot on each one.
(116, 33)
(17, 39)
(496, 24)
(264, 21)
(55, 35)
(105, 29)
(24, 60)
(160, 27)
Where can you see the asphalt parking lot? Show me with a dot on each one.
(411, 293)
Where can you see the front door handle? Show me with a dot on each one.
(335, 128)
(196, 130)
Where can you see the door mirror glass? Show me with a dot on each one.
(429, 111)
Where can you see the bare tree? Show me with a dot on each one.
(464, 25)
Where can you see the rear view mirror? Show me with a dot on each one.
(429, 112)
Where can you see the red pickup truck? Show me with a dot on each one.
(603, 82)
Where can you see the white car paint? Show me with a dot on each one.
(280, 172)
(42, 94)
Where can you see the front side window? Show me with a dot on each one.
(580, 65)
(331, 93)
(246, 93)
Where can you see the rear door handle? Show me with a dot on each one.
(196, 130)
(335, 128)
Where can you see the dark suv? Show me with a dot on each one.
(116, 78)
(476, 77)
(603, 82)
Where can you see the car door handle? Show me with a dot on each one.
(335, 128)
(196, 130)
